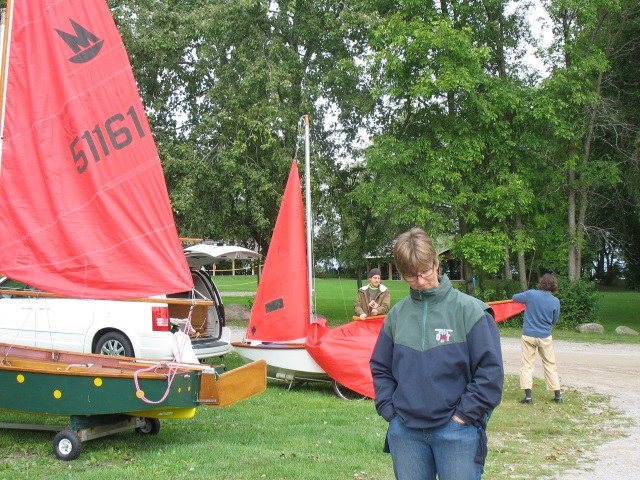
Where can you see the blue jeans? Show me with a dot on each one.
(448, 452)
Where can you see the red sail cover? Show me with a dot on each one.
(344, 352)
(85, 209)
(281, 311)
(505, 309)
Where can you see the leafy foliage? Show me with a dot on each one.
(463, 137)
(578, 302)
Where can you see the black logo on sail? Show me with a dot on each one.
(85, 45)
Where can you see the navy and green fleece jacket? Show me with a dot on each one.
(438, 355)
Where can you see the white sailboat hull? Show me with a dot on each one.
(286, 362)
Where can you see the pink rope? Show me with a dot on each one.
(171, 366)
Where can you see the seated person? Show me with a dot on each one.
(373, 299)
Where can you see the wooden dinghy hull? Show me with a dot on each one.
(66, 383)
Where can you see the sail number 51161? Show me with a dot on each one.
(98, 142)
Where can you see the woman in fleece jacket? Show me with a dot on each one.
(437, 371)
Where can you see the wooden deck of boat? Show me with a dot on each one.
(32, 359)
(89, 369)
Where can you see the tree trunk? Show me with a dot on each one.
(507, 264)
(522, 268)
(583, 197)
(572, 254)
(466, 270)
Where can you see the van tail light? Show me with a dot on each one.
(160, 319)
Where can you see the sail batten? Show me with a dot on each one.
(86, 209)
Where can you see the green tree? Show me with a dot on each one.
(465, 138)
(226, 85)
(615, 213)
(571, 105)
(446, 154)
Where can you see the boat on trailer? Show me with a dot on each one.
(83, 191)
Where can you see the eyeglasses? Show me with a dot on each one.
(425, 274)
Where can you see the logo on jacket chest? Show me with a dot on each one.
(443, 334)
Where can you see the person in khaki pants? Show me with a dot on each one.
(541, 313)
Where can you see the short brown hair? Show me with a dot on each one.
(548, 283)
(414, 252)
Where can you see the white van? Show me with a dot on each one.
(127, 328)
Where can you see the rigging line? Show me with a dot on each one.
(171, 366)
(24, 322)
(300, 136)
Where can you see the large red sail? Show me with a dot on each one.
(281, 311)
(85, 209)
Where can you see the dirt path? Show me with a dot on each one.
(612, 370)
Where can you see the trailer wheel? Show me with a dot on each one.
(345, 393)
(151, 427)
(67, 445)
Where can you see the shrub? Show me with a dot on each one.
(578, 302)
(497, 290)
(502, 290)
(513, 322)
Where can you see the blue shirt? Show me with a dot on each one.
(543, 310)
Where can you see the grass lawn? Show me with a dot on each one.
(306, 432)
(335, 298)
(618, 307)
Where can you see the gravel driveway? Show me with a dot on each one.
(612, 370)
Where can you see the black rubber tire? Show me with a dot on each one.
(114, 343)
(151, 427)
(67, 445)
(345, 393)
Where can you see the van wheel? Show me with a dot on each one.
(114, 343)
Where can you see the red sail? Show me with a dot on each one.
(344, 352)
(85, 208)
(281, 311)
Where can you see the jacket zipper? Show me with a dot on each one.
(424, 321)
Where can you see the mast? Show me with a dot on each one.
(5, 33)
(307, 187)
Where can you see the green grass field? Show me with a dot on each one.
(306, 432)
(335, 298)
